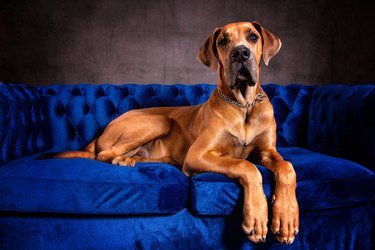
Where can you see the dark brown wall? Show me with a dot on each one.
(117, 41)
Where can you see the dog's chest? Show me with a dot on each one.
(248, 130)
(247, 135)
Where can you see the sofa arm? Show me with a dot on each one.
(342, 122)
(21, 121)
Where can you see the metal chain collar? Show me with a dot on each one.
(259, 98)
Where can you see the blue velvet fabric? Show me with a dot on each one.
(290, 104)
(84, 186)
(345, 228)
(323, 182)
(22, 116)
(342, 122)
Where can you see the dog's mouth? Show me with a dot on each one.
(244, 78)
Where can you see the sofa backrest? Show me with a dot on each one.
(333, 119)
(78, 113)
(290, 104)
(342, 122)
(21, 122)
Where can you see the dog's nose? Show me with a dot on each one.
(240, 54)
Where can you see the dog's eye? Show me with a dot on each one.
(253, 37)
(223, 41)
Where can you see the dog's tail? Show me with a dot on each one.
(89, 152)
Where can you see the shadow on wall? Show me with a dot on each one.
(142, 41)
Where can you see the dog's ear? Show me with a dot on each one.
(271, 43)
(207, 54)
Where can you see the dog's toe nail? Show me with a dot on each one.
(295, 232)
(277, 233)
(264, 239)
(252, 232)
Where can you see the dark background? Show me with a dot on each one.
(117, 41)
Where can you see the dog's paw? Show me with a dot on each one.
(285, 220)
(256, 219)
(122, 160)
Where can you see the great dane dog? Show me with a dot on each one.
(216, 136)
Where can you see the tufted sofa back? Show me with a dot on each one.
(290, 104)
(342, 122)
(68, 117)
(337, 120)
(21, 122)
(78, 113)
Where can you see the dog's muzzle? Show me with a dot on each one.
(243, 66)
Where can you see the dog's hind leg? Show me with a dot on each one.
(136, 131)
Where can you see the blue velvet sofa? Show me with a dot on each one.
(327, 132)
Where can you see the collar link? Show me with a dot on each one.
(259, 98)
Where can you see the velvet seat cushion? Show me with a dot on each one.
(90, 187)
(84, 186)
(323, 182)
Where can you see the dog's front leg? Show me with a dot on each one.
(255, 209)
(285, 220)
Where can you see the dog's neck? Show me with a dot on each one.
(244, 96)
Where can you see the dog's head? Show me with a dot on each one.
(237, 50)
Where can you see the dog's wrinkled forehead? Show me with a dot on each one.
(236, 34)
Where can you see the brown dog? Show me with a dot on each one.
(218, 135)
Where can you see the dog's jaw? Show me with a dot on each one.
(240, 79)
